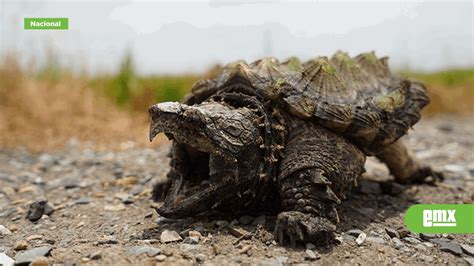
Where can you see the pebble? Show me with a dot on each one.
(195, 234)
(354, 232)
(34, 237)
(412, 240)
(188, 247)
(28, 256)
(397, 243)
(150, 251)
(420, 247)
(6, 260)
(40, 261)
(114, 208)
(312, 255)
(454, 168)
(4, 231)
(392, 233)
(470, 261)
(168, 236)
(37, 209)
(427, 237)
(375, 240)
(193, 240)
(468, 249)
(310, 246)
(200, 258)
(426, 258)
(20, 245)
(448, 246)
(238, 232)
(361, 238)
(161, 257)
(95, 256)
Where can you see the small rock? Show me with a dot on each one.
(137, 190)
(216, 249)
(40, 261)
(468, 249)
(354, 232)
(282, 259)
(310, 246)
(34, 237)
(124, 197)
(200, 258)
(426, 258)
(428, 244)
(5, 260)
(397, 243)
(470, 261)
(412, 240)
(448, 246)
(28, 256)
(361, 238)
(20, 245)
(375, 240)
(420, 247)
(454, 168)
(193, 240)
(188, 247)
(392, 233)
(339, 239)
(161, 257)
(245, 220)
(150, 251)
(195, 234)
(114, 208)
(238, 232)
(83, 201)
(4, 231)
(168, 236)
(312, 255)
(95, 256)
(37, 209)
(427, 237)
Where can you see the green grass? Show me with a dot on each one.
(448, 78)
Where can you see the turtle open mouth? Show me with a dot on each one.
(194, 183)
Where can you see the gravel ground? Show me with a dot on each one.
(101, 212)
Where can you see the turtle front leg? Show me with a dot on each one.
(309, 209)
(404, 166)
(317, 169)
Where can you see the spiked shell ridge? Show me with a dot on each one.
(357, 97)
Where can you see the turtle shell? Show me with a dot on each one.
(356, 97)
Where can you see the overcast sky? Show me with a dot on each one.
(178, 37)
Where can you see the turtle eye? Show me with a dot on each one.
(192, 121)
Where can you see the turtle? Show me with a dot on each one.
(288, 138)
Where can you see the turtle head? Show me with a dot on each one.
(215, 151)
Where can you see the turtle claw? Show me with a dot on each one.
(297, 227)
(424, 175)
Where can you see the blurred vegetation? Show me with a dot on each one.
(42, 109)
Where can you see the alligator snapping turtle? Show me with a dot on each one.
(287, 137)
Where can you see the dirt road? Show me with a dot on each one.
(102, 212)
